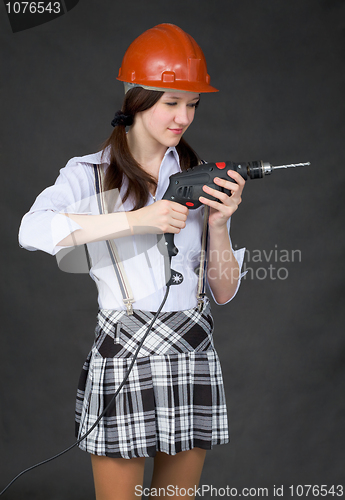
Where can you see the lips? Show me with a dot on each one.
(176, 131)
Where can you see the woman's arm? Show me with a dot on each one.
(223, 269)
(96, 228)
(164, 216)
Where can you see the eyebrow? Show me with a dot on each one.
(179, 97)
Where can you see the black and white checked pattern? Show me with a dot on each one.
(173, 399)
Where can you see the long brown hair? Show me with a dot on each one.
(122, 162)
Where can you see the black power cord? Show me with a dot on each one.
(108, 405)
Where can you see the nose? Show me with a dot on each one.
(184, 115)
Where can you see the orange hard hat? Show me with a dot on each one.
(165, 57)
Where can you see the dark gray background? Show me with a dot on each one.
(280, 68)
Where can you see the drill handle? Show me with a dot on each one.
(166, 243)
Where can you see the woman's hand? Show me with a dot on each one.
(222, 210)
(163, 216)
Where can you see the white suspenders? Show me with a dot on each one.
(125, 287)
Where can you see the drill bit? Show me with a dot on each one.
(258, 169)
(292, 165)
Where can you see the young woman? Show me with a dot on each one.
(172, 406)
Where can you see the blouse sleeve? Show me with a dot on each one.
(44, 226)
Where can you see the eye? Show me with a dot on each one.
(194, 104)
(171, 103)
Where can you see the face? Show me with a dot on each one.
(166, 121)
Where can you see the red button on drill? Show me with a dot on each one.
(221, 164)
(189, 204)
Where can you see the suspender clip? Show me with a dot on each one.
(201, 302)
(128, 303)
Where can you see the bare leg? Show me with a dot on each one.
(182, 470)
(116, 478)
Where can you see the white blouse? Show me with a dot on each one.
(44, 226)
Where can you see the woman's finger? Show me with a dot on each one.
(225, 210)
(237, 178)
(177, 207)
(215, 193)
(223, 197)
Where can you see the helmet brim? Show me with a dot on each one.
(182, 86)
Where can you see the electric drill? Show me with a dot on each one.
(186, 187)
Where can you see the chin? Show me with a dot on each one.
(173, 142)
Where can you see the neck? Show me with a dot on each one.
(146, 151)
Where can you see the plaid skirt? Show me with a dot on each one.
(174, 397)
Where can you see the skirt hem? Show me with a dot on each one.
(152, 453)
